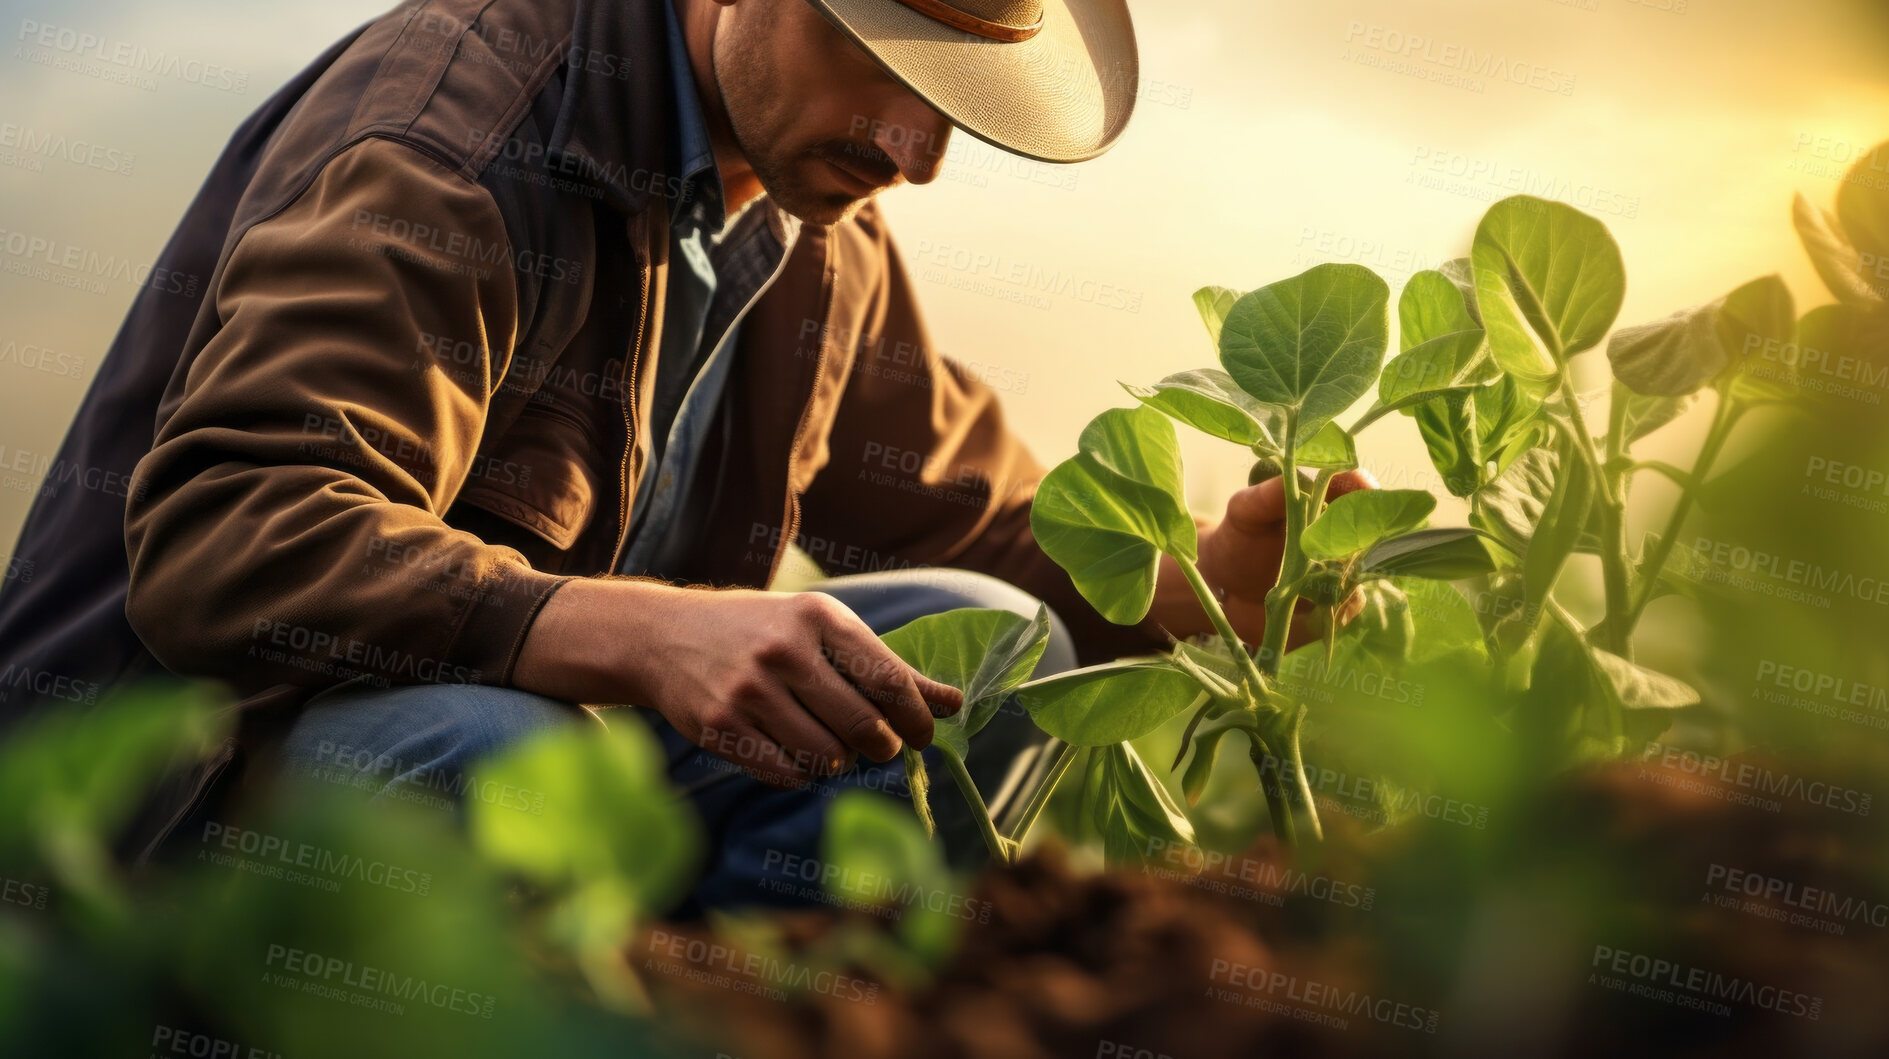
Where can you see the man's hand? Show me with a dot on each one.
(1239, 559)
(788, 686)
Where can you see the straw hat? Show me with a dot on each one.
(1053, 80)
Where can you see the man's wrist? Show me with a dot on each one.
(574, 648)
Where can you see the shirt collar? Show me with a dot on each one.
(694, 157)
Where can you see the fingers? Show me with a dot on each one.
(881, 677)
(843, 711)
(1349, 482)
(1258, 508)
(759, 754)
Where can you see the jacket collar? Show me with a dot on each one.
(613, 129)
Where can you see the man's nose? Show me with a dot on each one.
(914, 136)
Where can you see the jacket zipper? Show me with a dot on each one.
(630, 393)
(790, 514)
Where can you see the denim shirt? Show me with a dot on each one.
(718, 267)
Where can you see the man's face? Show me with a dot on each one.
(823, 126)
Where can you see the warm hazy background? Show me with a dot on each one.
(1266, 142)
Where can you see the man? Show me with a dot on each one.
(533, 332)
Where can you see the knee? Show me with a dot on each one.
(397, 731)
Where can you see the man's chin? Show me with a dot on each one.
(819, 209)
(813, 202)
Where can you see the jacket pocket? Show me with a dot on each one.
(543, 474)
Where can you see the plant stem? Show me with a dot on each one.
(1277, 805)
(1723, 419)
(1039, 799)
(1218, 615)
(1285, 592)
(1000, 847)
(1613, 523)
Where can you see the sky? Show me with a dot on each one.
(1269, 137)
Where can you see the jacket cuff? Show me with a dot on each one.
(497, 618)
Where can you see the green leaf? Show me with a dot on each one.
(1863, 208)
(1437, 554)
(1641, 415)
(983, 653)
(1670, 357)
(1106, 514)
(71, 778)
(1331, 449)
(1757, 319)
(1432, 306)
(1208, 400)
(1446, 362)
(1635, 687)
(1149, 806)
(609, 815)
(1216, 674)
(1109, 703)
(1549, 283)
(1678, 355)
(1450, 435)
(1508, 422)
(1214, 303)
(1312, 343)
(1510, 507)
(1356, 521)
(1462, 272)
(1556, 532)
(1837, 261)
(1138, 444)
(1200, 767)
(867, 836)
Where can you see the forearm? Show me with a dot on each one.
(592, 640)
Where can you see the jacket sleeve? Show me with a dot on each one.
(922, 469)
(286, 526)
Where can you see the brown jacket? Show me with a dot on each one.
(408, 403)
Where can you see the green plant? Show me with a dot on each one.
(1486, 369)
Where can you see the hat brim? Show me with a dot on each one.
(1064, 95)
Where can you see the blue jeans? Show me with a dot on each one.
(422, 743)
